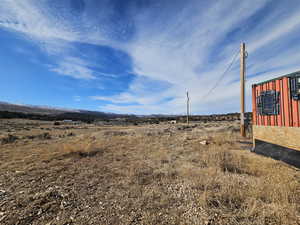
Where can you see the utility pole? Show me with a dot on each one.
(187, 107)
(242, 74)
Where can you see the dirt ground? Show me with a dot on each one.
(85, 174)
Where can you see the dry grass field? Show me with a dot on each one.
(152, 174)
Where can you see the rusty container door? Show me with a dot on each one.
(289, 109)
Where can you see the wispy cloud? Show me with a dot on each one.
(174, 46)
(74, 67)
(55, 30)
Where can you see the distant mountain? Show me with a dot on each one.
(5, 106)
(8, 110)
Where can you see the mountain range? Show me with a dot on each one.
(9, 110)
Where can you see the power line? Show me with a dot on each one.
(222, 76)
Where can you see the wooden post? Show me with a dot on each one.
(242, 74)
(187, 107)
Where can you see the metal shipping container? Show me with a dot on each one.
(276, 118)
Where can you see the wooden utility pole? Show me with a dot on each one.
(242, 74)
(187, 107)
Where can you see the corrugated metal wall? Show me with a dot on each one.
(289, 114)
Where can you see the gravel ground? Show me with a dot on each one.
(159, 174)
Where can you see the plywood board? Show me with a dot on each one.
(285, 136)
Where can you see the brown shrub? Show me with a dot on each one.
(84, 147)
(9, 139)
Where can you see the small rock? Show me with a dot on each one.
(2, 193)
(204, 142)
(40, 212)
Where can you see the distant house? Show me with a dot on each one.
(119, 119)
(68, 121)
(71, 122)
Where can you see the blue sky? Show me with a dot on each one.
(140, 56)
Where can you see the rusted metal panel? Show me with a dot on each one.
(260, 116)
(257, 89)
(295, 113)
(254, 113)
(278, 116)
(288, 113)
(286, 102)
(282, 103)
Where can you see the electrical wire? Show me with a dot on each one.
(221, 77)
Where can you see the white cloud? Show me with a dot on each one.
(182, 64)
(33, 19)
(275, 31)
(186, 47)
(74, 67)
(54, 30)
(187, 66)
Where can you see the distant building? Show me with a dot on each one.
(71, 122)
(276, 118)
(67, 121)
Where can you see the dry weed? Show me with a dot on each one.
(9, 139)
(237, 193)
(83, 146)
(150, 175)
